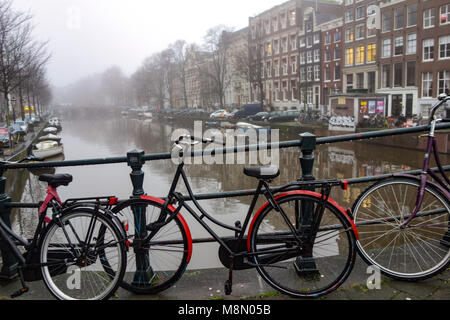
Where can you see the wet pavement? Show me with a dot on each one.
(248, 285)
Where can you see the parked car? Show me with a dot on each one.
(4, 137)
(219, 114)
(285, 116)
(258, 117)
(23, 125)
(17, 131)
(266, 117)
(248, 110)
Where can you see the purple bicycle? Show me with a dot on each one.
(403, 221)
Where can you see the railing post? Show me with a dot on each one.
(144, 273)
(10, 264)
(305, 264)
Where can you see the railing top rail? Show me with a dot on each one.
(237, 149)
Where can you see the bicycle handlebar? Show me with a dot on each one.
(443, 98)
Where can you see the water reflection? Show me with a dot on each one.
(112, 136)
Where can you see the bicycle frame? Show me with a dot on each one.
(432, 150)
(239, 230)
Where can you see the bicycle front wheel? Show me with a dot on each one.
(296, 258)
(158, 256)
(71, 252)
(417, 252)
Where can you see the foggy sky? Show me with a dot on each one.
(88, 36)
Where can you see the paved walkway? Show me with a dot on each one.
(208, 285)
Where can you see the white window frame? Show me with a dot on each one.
(430, 19)
(425, 45)
(447, 13)
(408, 41)
(395, 46)
(428, 80)
(383, 49)
(446, 79)
(447, 38)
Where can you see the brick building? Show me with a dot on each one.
(433, 68)
(331, 60)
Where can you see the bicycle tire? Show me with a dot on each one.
(416, 253)
(70, 275)
(326, 252)
(172, 243)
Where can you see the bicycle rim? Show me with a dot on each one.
(72, 275)
(155, 265)
(418, 252)
(303, 270)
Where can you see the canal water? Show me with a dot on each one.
(112, 136)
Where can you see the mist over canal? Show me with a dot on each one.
(114, 136)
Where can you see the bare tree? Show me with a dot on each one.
(216, 44)
(20, 55)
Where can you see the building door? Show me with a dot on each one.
(409, 105)
(397, 105)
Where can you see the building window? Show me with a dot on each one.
(348, 2)
(445, 14)
(371, 52)
(302, 42)
(294, 42)
(411, 73)
(309, 57)
(444, 82)
(360, 31)
(292, 16)
(302, 58)
(337, 36)
(444, 47)
(327, 55)
(386, 76)
(360, 80)
(386, 21)
(326, 73)
(411, 15)
(327, 38)
(317, 73)
(337, 53)
(309, 73)
(398, 50)
(371, 76)
(428, 50)
(284, 44)
(316, 55)
(294, 65)
(309, 42)
(360, 55)
(349, 34)
(269, 49)
(349, 57)
(360, 13)
(337, 72)
(386, 48)
(428, 18)
(411, 46)
(317, 38)
(398, 74)
(427, 84)
(398, 18)
(349, 15)
(302, 74)
(275, 24)
(349, 81)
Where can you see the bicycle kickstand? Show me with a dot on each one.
(24, 289)
(229, 282)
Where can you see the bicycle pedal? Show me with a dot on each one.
(228, 287)
(20, 292)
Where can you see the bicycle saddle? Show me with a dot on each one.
(262, 173)
(56, 180)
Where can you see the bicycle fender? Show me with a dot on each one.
(182, 220)
(302, 192)
(434, 184)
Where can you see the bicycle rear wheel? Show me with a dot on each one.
(416, 253)
(295, 262)
(70, 256)
(153, 265)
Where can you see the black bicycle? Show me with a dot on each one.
(301, 242)
(78, 250)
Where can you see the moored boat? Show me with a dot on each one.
(52, 130)
(47, 149)
(50, 137)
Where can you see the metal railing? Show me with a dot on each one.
(307, 143)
